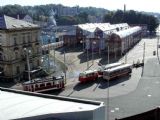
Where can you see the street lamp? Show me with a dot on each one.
(93, 43)
(108, 54)
(99, 45)
(87, 47)
(27, 52)
(108, 91)
(82, 42)
(65, 79)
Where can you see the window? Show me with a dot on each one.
(26, 67)
(29, 38)
(38, 51)
(1, 56)
(38, 63)
(15, 41)
(0, 39)
(18, 69)
(16, 55)
(23, 38)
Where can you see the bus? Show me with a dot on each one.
(119, 71)
(109, 66)
(89, 75)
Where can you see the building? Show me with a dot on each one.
(21, 105)
(17, 39)
(23, 17)
(93, 36)
(120, 42)
(97, 34)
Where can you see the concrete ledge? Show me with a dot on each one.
(98, 103)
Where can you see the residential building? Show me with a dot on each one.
(17, 40)
(23, 17)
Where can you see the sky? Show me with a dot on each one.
(138, 5)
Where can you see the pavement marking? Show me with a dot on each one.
(112, 111)
(149, 95)
(117, 109)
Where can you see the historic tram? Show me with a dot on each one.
(44, 84)
(89, 75)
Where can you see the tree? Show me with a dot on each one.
(82, 18)
(66, 20)
(132, 17)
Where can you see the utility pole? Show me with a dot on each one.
(87, 60)
(108, 54)
(87, 47)
(143, 57)
(92, 54)
(158, 46)
(108, 91)
(64, 67)
(49, 56)
(54, 56)
(126, 57)
(100, 45)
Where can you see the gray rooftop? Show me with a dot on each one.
(9, 23)
(20, 105)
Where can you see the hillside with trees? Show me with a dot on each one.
(41, 13)
(132, 17)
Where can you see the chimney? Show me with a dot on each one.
(18, 17)
(124, 8)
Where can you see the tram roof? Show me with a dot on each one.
(88, 71)
(118, 68)
(19, 104)
(113, 65)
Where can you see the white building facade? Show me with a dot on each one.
(16, 36)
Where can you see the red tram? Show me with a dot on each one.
(89, 75)
(42, 85)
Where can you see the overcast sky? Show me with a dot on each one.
(140, 5)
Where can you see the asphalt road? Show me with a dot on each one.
(128, 95)
(144, 98)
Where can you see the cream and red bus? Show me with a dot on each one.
(119, 71)
(109, 66)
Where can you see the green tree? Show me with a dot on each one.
(82, 18)
(132, 17)
(66, 20)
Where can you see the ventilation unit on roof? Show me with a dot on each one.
(14, 26)
(22, 26)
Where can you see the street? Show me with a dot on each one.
(127, 95)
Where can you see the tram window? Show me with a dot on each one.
(42, 85)
(48, 84)
(36, 86)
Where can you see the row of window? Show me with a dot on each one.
(17, 54)
(26, 67)
(29, 38)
